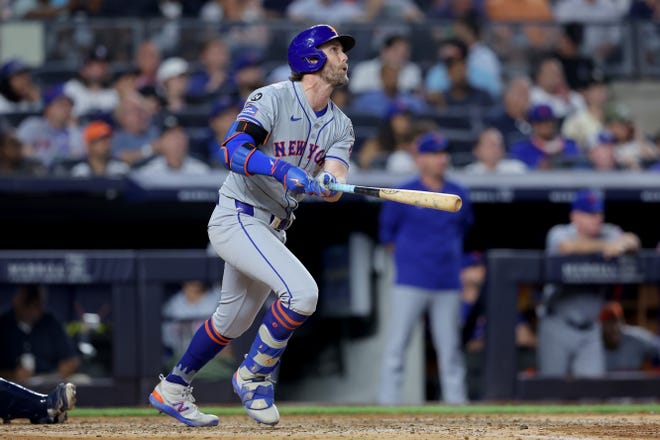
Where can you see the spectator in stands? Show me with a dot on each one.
(627, 347)
(132, 141)
(402, 160)
(483, 67)
(511, 120)
(222, 116)
(502, 13)
(570, 340)
(172, 78)
(545, 149)
(147, 60)
(377, 102)
(601, 153)
(55, 135)
(395, 51)
(319, 10)
(491, 158)
(91, 91)
(550, 88)
(454, 9)
(173, 158)
(125, 81)
(380, 10)
(33, 342)
(634, 150)
(216, 11)
(583, 125)
(12, 159)
(214, 74)
(99, 161)
(393, 134)
(247, 75)
(18, 93)
(460, 92)
(578, 69)
(602, 32)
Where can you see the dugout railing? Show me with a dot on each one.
(507, 270)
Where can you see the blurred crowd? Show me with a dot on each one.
(161, 109)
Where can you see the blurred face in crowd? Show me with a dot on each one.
(490, 149)
(174, 146)
(177, 86)
(623, 131)
(148, 58)
(587, 224)
(397, 54)
(516, 98)
(457, 71)
(546, 130)
(215, 55)
(21, 83)
(401, 124)
(10, 150)
(100, 148)
(58, 113)
(389, 77)
(602, 157)
(596, 95)
(96, 72)
(133, 115)
(550, 76)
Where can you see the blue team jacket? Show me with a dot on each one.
(428, 244)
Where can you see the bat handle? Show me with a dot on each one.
(341, 187)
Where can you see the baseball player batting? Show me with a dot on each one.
(287, 142)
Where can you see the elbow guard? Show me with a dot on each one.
(240, 144)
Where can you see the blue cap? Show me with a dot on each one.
(603, 137)
(12, 67)
(53, 93)
(541, 113)
(431, 143)
(247, 60)
(223, 104)
(589, 201)
(396, 108)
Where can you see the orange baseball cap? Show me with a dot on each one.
(96, 130)
(611, 310)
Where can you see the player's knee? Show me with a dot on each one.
(304, 301)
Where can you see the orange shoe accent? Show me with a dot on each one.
(157, 396)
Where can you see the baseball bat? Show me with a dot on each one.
(425, 199)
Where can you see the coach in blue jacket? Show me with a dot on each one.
(428, 249)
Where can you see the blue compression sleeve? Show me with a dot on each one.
(241, 156)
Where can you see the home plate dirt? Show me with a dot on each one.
(381, 427)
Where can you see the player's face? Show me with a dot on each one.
(335, 70)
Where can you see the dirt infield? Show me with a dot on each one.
(381, 427)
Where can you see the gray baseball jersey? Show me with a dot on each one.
(296, 135)
(569, 332)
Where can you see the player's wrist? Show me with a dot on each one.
(280, 169)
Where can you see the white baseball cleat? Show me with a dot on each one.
(177, 401)
(256, 393)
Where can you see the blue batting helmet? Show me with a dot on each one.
(304, 55)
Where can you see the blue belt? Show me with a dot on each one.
(275, 222)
